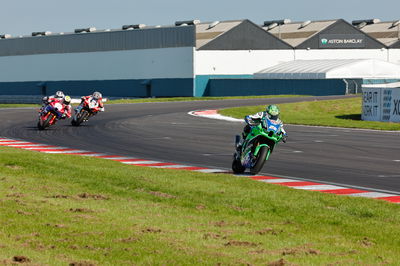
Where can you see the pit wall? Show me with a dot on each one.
(247, 87)
(131, 73)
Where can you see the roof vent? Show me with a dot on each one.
(134, 26)
(5, 36)
(212, 25)
(362, 25)
(187, 22)
(366, 21)
(395, 23)
(273, 25)
(305, 24)
(278, 22)
(41, 33)
(83, 30)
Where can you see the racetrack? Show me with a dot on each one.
(165, 132)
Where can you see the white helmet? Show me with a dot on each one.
(97, 95)
(59, 94)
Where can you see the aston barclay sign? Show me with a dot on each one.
(341, 41)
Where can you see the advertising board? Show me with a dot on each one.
(381, 104)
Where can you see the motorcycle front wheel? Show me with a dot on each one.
(259, 160)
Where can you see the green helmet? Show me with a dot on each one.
(273, 111)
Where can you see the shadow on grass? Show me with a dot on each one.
(350, 117)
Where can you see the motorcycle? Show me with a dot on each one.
(49, 114)
(257, 147)
(89, 107)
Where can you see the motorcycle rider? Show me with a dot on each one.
(97, 96)
(64, 100)
(58, 96)
(272, 112)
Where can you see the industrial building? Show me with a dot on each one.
(189, 58)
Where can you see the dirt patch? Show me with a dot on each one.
(366, 242)
(220, 223)
(13, 166)
(162, 194)
(128, 240)
(151, 230)
(268, 231)
(300, 251)
(236, 208)
(21, 259)
(93, 196)
(240, 243)
(80, 210)
(200, 207)
(15, 195)
(280, 262)
(213, 236)
(24, 213)
(82, 263)
(59, 197)
(57, 225)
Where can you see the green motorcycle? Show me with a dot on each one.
(257, 147)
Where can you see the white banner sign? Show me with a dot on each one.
(381, 104)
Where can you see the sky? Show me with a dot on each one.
(22, 17)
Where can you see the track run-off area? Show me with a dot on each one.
(365, 162)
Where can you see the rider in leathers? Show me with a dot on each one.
(272, 112)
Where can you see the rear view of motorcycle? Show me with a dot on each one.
(257, 147)
(88, 108)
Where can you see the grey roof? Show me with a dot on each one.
(294, 34)
(205, 33)
(386, 32)
(236, 35)
(303, 35)
(101, 40)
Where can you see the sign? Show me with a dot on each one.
(341, 41)
(381, 104)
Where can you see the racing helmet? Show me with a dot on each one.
(273, 111)
(67, 99)
(97, 95)
(59, 94)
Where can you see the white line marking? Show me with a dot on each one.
(211, 171)
(142, 162)
(371, 195)
(171, 166)
(319, 187)
(280, 180)
(62, 152)
(119, 158)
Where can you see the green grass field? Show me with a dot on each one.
(65, 209)
(334, 113)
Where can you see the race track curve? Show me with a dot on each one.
(165, 132)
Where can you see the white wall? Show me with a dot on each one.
(130, 64)
(381, 54)
(238, 62)
(394, 56)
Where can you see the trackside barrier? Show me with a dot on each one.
(381, 104)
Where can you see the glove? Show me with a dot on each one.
(284, 139)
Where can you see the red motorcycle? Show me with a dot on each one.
(49, 114)
(88, 108)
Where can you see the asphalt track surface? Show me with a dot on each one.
(165, 132)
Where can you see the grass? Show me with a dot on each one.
(17, 105)
(334, 113)
(64, 209)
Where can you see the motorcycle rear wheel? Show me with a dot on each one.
(259, 161)
(79, 118)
